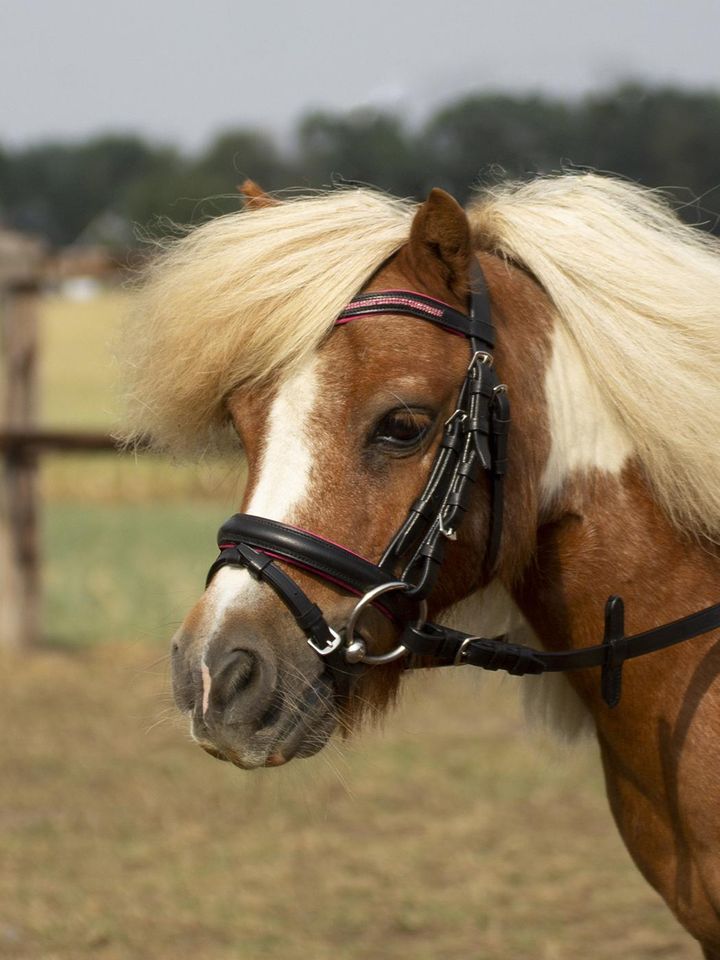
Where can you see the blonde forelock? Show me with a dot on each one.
(242, 297)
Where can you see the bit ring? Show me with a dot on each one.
(356, 648)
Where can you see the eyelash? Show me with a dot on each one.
(416, 425)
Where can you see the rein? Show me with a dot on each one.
(474, 441)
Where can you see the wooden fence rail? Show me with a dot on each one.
(36, 441)
(23, 442)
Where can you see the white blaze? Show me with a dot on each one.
(207, 684)
(287, 453)
(283, 485)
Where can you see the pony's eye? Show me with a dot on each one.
(402, 430)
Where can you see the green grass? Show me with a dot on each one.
(127, 539)
(129, 571)
(78, 375)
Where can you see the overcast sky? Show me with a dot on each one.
(179, 70)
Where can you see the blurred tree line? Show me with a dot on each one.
(113, 187)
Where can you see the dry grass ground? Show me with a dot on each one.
(455, 834)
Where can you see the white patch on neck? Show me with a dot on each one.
(585, 434)
(549, 699)
(488, 612)
(206, 684)
(287, 457)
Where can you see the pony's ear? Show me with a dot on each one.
(255, 196)
(439, 247)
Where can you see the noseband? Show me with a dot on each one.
(473, 443)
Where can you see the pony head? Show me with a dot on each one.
(339, 427)
(235, 344)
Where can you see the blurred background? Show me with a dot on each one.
(458, 832)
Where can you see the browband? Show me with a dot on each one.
(476, 325)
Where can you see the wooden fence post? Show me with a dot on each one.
(20, 596)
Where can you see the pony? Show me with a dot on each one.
(605, 306)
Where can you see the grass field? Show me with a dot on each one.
(456, 833)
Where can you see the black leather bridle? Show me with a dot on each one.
(474, 442)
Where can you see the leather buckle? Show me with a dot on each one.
(328, 648)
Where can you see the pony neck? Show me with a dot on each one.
(599, 531)
(612, 538)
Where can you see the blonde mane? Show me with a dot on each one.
(242, 297)
(249, 294)
(639, 292)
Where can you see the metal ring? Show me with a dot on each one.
(367, 598)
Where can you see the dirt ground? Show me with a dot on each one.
(456, 833)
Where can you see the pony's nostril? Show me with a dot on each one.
(238, 685)
(234, 675)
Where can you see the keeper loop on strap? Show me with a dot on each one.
(616, 645)
(496, 654)
(310, 617)
(433, 549)
(482, 330)
(253, 561)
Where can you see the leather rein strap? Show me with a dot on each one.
(474, 440)
(453, 647)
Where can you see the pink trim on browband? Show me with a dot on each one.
(407, 293)
(341, 321)
(401, 301)
(394, 298)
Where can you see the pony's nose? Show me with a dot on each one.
(235, 675)
(238, 686)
